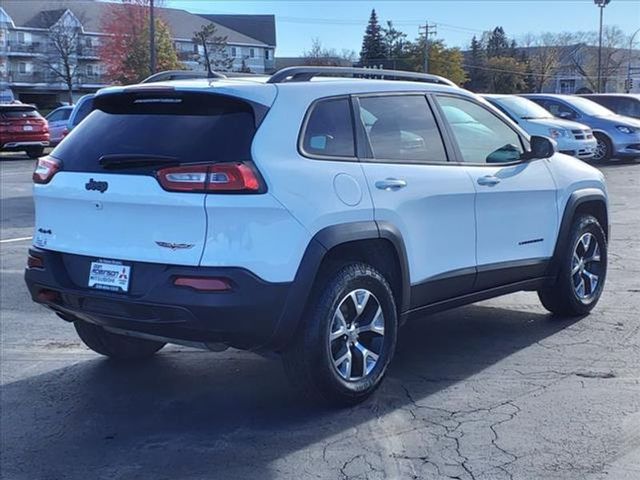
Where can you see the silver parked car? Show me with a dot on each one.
(573, 138)
(617, 136)
(58, 119)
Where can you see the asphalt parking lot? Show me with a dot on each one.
(496, 390)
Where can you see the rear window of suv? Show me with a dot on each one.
(191, 128)
(19, 112)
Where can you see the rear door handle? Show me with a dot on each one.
(390, 184)
(488, 180)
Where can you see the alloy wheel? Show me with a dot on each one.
(601, 150)
(356, 336)
(586, 267)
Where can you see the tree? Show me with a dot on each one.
(477, 60)
(584, 57)
(373, 49)
(394, 42)
(497, 43)
(320, 56)
(506, 75)
(443, 61)
(214, 48)
(543, 58)
(125, 50)
(61, 58)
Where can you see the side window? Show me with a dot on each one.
(402, 128)
(55, 116)
(329, 129)
(65, 114)
(481, 136)
(83, 110)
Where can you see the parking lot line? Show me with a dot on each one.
(11, 240)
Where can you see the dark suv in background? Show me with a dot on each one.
(627, 104)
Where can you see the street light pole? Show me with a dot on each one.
(152, 39)
(601, 4)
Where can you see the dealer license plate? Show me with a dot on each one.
(109, 275)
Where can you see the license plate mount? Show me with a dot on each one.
(110, 275)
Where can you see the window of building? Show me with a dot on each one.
(266, 53)
(195, 48)
(329, 130)
(21, 37)
(89, 42)
(90, 70)
(234, 52)
(252, 53)
(22, 67)
(568, 86)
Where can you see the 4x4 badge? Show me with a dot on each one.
(99, 186)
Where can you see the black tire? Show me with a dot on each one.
(309, 361)
(563, 298)
(35, 152)
(119, 347)
(604, 150)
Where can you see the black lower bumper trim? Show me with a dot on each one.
(244, 317)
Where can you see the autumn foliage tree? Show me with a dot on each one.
(125, 50)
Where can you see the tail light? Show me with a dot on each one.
(46, 168)
(236, 177)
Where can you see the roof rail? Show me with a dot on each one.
(304, 74)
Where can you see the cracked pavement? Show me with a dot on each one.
(497, 390)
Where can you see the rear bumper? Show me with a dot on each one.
(25, 144)
(246, 316)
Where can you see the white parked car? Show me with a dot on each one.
(573, 138)
(307, 218)
(58, 119)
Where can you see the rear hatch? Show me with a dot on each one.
(22, 124)
(124, 185)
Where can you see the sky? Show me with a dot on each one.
(340, 24)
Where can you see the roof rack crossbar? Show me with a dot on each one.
(305, 74)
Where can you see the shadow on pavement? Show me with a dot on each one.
(188, 415)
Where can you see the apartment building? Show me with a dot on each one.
(25, 44)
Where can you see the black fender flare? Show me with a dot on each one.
(321, 243)
(576, 199)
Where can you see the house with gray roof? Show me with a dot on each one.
(24, 42)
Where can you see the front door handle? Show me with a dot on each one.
(488, 180)
(391, 184)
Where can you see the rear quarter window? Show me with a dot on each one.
(328, 130)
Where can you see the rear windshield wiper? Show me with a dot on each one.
(134, 160)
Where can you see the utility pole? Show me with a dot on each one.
(152, 38)
(426, 30)
(600, 4)
(629, 83)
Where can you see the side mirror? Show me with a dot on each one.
(542, 147)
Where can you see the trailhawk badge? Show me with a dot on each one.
(175, 246)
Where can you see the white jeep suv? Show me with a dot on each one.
(305, 216)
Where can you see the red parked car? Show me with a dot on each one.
(22, 128)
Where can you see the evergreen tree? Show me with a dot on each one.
(373, 49)
(214, 48)
(394, 42)
(477, 62)
(497, 43)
